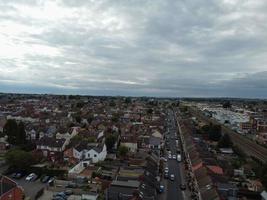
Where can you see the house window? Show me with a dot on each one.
(95, 155)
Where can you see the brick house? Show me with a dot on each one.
(9, 190)
(52, 148)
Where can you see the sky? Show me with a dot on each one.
(184, 48)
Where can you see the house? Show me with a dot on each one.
(96, 152)
(154, 142)
(9, 190)
(51, 147)
(227, 190)
(129, 141)
(121, 189)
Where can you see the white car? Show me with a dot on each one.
(170, 156)
(166, 170)
(30, 177)
(172, 177)
(174, 157)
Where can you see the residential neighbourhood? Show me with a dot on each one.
(114, 148)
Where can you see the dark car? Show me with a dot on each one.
(45, 179)
(18, 175)
(60, 196)
(68, 192)
(182, 186)
(72, 185)
(166, 175)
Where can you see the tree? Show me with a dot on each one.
(110, 142)
(11, 130)
(15, 132)
(215, 132)
(115, 118)
(127, 100)
(123, 151)
(19, 158)
(226, 104)
(78, 119)
(21, 137)
(225, 142)
(112, 103)
(149, 111)
(90, 118)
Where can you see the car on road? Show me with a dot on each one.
(31, 177)
(170, 156)
(172, 177)
(166, 175)
(161, 189)
(174, 157)
(182, 186)
(179, 158)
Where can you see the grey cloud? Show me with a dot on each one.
(159, 47)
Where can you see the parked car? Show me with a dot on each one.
(30, 177)
(161, 189)
(45, 179)
(170, 156)
(166, 175)
(51, 181)
(174, 157)
(172, 177)
(182, 186)
(179, 158)
(68, 192)
(72, 185)
(61, 194)
(18, 175)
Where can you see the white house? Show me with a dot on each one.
(96, 152)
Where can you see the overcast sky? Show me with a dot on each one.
(134, 47)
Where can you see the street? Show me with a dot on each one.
(173, 187)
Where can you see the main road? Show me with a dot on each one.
(173, 187)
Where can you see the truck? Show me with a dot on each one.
(179, 157)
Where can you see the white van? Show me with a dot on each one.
(179, 157)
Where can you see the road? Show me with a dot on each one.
(173, 191)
